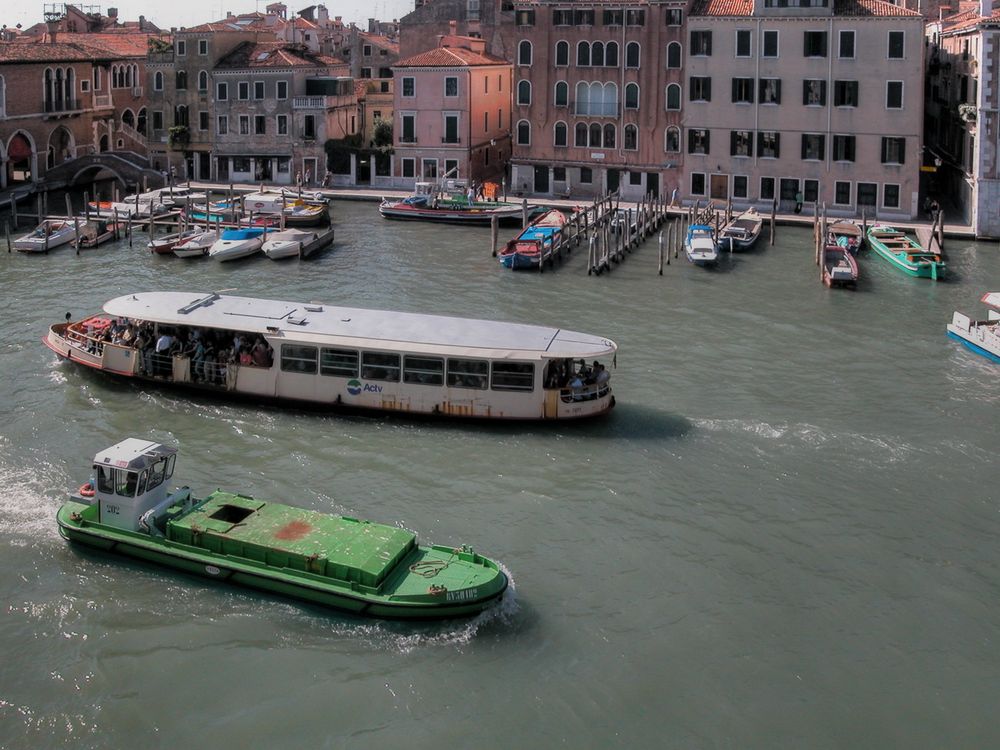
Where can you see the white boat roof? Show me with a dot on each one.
(133, 453)
(992, 299)
(322, 324)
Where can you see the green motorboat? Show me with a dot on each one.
(363, 567)
(905, 253)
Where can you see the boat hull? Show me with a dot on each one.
(259, 576)
(978, 348)
(449, 216)
(898, 258)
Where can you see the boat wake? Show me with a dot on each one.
(30, 499)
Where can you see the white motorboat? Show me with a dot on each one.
(49, 234)
(981, 336)
(700, 247)
(196, 246)
(287, 243)
(180, 195)
(237, 243)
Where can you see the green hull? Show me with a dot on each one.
(392, 577)
(900, 258)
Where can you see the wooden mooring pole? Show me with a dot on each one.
(494, 233)
(13, 211)
(774, 211)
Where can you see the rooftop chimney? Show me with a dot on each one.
(112, 12)
(229, 14)
(142, 23)
(53, 27)
(453, 27)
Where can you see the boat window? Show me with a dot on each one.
(142, 483)
(513, 376)
(301, 359)
(340, 362)
(423, 370)
(468, 373)
(105, 481)
(127, 481)
(169, 471)
(157, 474)
(380, 366)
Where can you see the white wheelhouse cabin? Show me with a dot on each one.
(346, 358)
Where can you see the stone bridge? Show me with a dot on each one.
(128, 167)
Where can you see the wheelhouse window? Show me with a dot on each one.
(423, 370)
(341, 363)
(380, 366)
(513, 376)
(468, 373)
(300, 359)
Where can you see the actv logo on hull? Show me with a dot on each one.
(354, 387)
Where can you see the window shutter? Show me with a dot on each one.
(732, 143)
(804, 137)
(822, 146)
(849, 148)
(822, 93)
(777, 92)
(805, 92)
(822, 45)
(708, 89)
(735, 89)
(708, 133)
(901, 150)
(885, 142)
(777, 143)
(805, 44)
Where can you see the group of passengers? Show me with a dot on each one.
(564, 373)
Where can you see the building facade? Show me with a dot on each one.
(820, 103)
(452, 113)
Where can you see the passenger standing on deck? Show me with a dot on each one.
(162, 352)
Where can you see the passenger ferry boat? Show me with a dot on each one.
(345, 358)
(359, 566)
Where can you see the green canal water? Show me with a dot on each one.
(784, 536)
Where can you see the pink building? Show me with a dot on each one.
(452, 109)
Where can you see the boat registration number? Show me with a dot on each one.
(461, 596)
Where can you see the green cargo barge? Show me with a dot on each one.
(362, 567)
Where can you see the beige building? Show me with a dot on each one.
(823, 102)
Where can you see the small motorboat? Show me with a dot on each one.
(839, 267)
(196, 246)
(51, 233)
(370, 569)
(846, 234)
(905, 253)
(536, 242)
(180, 195)
(742, 232)
(96, 232)
(293, 211)
(166, 244)
(700, 247)
(237, 243)
(980, 336)
(287, 243)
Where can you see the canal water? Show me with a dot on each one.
(784, 536)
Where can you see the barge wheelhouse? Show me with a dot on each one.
(345, 358)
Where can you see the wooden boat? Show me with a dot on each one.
(742, 232)
(48, 235)
(981, 336)
(352, 359)
(96, 232)
(846, 234)
(700, 247)
(293, 212)
(534, 245)
(237, 243)
(165, 245)
(839, 267)
(449, 204)
(905, 253)
(365, 568)
(196, 246)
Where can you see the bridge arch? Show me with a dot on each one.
(88, 173)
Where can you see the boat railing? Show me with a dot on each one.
(589, 392)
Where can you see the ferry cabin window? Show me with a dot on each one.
(423, 370)
(513, 376)
(127, 481)
(340, 362)
(301, 359)
(160, 472)
(105, 480)
(142, 483)
(380, 366)
(468, 373)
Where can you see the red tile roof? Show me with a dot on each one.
(869, 8)
(967, 20)
(449, 57)
(23, 51)
(275, 55)
(381, 41)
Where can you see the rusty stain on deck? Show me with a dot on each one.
(293, 530)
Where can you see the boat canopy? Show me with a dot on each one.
(992, 299)
(133, 454)
(321, 324)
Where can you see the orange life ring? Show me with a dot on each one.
(86, 489)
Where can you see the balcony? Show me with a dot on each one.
(103, 101)
(61, 107)
(160, 57)
(323, 102)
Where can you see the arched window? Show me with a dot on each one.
(3, 97)
(583, 54)
(202, 81)
(523, 133)
(674, 55)
(611, 54)
(128, 118)
(583, 98)
(609, 135)
(610, 108)
(632, 55)
(70, 90)
(631, 139)
(128, 76)
(47, 88)
(595, 135)
(562, 54)
(58, 89)
(180, 115)
(524, 52)
(597, 54)
(140, 121)
(580, 135)
(562, 94)
(181, 80)
(631, 96)
(673, 96)
(524, 93)
(559, 134)
(158, 81)
(672, 141)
